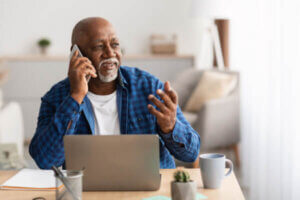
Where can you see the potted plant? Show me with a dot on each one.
(182, 188)
(44, 43)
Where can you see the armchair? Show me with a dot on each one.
(217, 121)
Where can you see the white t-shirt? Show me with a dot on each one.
(105, 113)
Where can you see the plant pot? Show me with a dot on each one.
(184, 191)
(44, 50)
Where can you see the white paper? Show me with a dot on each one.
(31, 179)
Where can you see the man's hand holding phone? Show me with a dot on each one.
(79, 69)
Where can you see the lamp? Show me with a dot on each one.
(215, 10)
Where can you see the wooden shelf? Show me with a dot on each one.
(64, 57)
(158, 56)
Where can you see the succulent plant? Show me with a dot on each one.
(182, 176)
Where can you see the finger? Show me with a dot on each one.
(87, 69)
(164, 96)
(155, 112)
(171, 92)
(74, 56)
(173, 96)
(80, 60)
(88, 72)
(86, 65)
(158, 103)
(167, 86)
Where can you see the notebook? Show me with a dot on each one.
(31, 179)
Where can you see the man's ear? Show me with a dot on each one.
(71, 47)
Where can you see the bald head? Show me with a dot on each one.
(87, 25)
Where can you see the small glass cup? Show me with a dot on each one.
(74, 179)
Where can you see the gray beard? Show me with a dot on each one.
(108, 78)
(112, 75)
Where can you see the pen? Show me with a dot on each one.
(60, 175)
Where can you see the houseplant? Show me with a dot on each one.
(44, 43)
(182, 188)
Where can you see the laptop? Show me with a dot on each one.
(115, 162)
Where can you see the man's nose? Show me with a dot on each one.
(109, 52)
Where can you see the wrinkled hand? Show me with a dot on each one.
(79, 69)
(166, 115)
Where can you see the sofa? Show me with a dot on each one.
(217, 121)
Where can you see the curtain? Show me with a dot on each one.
(265, 48)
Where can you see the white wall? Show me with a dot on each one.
(22, 23)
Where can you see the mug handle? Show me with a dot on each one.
(230, 167)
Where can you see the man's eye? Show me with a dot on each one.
(115, 45)
(99, 46)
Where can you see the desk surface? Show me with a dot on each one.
(230, 189)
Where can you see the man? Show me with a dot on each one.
(101, 97)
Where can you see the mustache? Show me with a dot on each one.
(109, 60)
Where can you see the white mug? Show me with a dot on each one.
(212, 166)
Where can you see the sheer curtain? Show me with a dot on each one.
(265, 48)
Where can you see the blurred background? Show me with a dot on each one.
(234, 64)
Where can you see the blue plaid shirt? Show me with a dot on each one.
(58, 108)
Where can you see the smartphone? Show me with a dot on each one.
(74, 48)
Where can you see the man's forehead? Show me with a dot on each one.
(101, 33)
(94, 29)
(103, 39)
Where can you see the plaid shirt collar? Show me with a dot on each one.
(121, 80)
(88, 110)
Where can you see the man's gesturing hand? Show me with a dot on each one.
(166, 115)
(79, 68)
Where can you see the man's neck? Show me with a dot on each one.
(101, 88)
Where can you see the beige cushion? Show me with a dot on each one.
(191, 117)
(185, 83)
(212, 85)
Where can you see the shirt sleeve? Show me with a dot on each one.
(46, 147)
(183, 142)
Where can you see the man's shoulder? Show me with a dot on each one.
(134, 75)
(58, 91)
